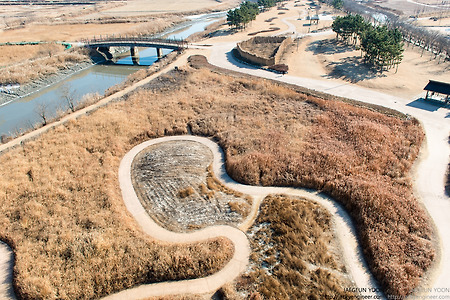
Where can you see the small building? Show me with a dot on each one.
(314, 20)
(437, 90)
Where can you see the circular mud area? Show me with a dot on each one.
(175, 184)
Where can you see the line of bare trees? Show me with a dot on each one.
(432, 41)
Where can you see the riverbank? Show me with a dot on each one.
(43, 82)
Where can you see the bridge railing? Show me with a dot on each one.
(135, 39)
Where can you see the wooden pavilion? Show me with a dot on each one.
(437, 90)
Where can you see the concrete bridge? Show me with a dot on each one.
(103, 44)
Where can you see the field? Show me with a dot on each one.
(293, 253)
(63, 215)
(272, 135)
(41, 61)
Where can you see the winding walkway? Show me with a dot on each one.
(343, 229)
(6, 266)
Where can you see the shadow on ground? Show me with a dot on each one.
(328, 47)
(351, 69)
(428, 105)
(222, 32)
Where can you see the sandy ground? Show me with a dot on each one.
(150, 7)
(319, 57)
(431, 22)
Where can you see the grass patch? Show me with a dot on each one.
(293, 255)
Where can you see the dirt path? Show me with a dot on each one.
(343, 229)
(6, 272)
(431, 167)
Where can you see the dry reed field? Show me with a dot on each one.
(12, 54)
(294, 255)
(275, 136)
(47, 60)
(62, 212)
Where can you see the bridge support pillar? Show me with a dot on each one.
(159, 53)
(134, 55)
(105, 51)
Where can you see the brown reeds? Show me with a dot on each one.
(294, 255)
(271, 135)
(46, 64)
(361, 157)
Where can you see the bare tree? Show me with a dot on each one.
(68, 95)
(42, 111)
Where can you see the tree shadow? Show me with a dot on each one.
(328, 47)
(223, 32)
(352, 69)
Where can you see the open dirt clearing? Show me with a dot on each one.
(322, 57)
(150, 7)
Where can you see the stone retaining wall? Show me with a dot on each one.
(263, 61)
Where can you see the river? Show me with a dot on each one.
(23, 113)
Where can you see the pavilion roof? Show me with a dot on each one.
(438, 87)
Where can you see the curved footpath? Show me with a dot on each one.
(6, 266)
(343, 228)
(430, 169)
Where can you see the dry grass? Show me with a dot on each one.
(275, 136)
(62, 213)
(271, 135)
(293, 253)
(49, 62)
(12, 54)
